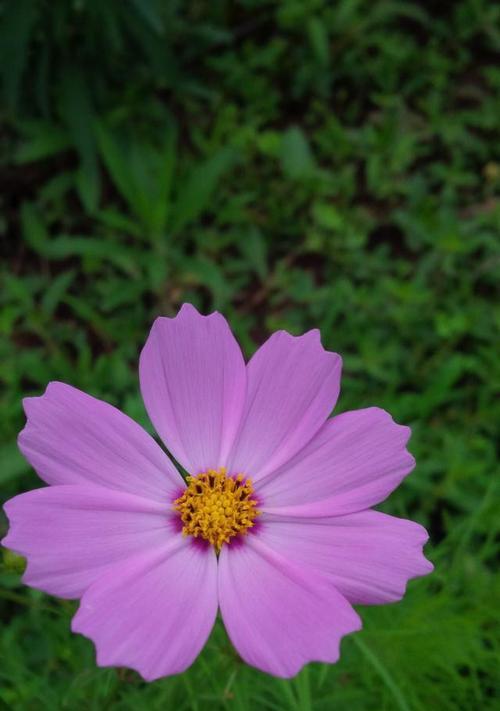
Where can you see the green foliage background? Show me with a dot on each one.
(293, 164)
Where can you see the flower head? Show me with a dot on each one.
(217, 507)
(272, 526)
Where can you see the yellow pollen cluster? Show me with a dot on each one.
(217, 507)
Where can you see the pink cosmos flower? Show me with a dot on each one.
(273, 526)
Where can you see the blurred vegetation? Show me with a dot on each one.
(294, 164)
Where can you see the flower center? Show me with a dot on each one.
(217, 507)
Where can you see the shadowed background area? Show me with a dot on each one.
(293, 164)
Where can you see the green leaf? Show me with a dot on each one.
(327, 216)
(56, 290)
(78, 114)
(142, 172)
(13, 463)
(92, 248)
(15, 30)
(253, 247)
(318, 37)
(114, 159)
(195, 192)
(296, 158)
(34, 230)
(148, 11)
(42, 140)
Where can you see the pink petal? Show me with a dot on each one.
(369, 556)
(280, 615)
(193, 382)
(72, 534)
(73, 438)
(293, 385)
(156, 613)
(354, 462)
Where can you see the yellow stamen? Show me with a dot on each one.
(217, 507)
